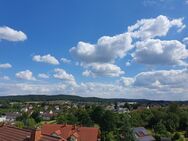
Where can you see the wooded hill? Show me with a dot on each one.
(27, 98)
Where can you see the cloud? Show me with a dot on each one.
(5, 78)
(89, 89)
(63, 75)
(163, 78)
(5, 66)
(154, 27)
(65, 60)
(25, 75)
(43, 76)
(156, 85)
(106, 50)
(9, 34)
(157, 52)
(185, 41)
(46, 59)
(98, 59)
(186, 2)
(97, 89)
(106, 69)
(125, 81)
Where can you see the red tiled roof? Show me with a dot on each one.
(13, 134)
(9, 133)
(66, 131)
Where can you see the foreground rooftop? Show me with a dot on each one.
(49, 132)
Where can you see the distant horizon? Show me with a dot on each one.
(127, 49)
(102, 98)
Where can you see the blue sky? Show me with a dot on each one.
(103, 48)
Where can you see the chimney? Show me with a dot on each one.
(35, 135)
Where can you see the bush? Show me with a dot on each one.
(157, 137)
(176, 136)
(186, 134)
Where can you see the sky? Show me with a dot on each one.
(99, 48)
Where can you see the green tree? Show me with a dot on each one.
(97, 114)
(176, 136)
(173, 108)
(146, 117)
(186, 133)
(160, 129)
(126, 130)
(110, 137)
(108, 122)
(136, 119)
(67, 118)
(19, 124)
(36, 116)
(30, 123)
(84, 118)
(183, 120)
(172, 122)
(158, 115)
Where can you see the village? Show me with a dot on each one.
(67, 120)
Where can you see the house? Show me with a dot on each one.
(24, 109)
(12, 116)
(10, 133)
(131, 103)
(71, 132)
(110, 107)
(30, 107)
(48, 115)
(57, 108)
(2, 118)
(141, 134)
(50, 132)
(9, 117)
(122, 110)
(46, 107)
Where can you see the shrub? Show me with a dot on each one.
(176, 136)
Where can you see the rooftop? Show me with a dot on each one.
(10, 133)
(67, 131)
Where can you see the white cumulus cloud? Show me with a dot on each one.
(46, 59)
(105, 69)
(99, 58)
(154, 27)
(65, 60)
(43, 75)
(125, 81)
(185, 41)
(9, 34)
(5, 66)
(163, 78)
(106, 50)
(63, 75)
(25, 75)
(158, 52)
